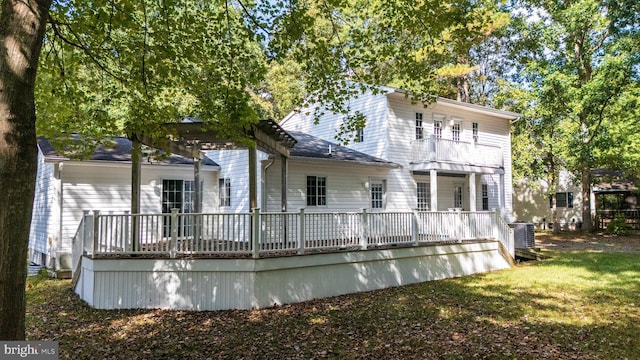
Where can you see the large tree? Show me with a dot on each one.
(581, 67)
(22, 28)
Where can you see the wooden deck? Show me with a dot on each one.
(244, 261)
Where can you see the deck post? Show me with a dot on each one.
(125, 232)
(174, 233)
(496, 214)
(83, 230)
(415, 227)
(460, 226)
(255, 233)
(365, 230)
(96, 229)
(301, 228)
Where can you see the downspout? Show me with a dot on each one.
(264, 182)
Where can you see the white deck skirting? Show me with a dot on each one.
(218, 284)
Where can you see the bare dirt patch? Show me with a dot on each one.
(573, 240)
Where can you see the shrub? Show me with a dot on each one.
(618, 226)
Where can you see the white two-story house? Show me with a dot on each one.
(451, 155)
(446, 155)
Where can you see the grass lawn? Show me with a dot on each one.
(576, 305)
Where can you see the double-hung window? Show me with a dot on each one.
(377, 194)
(316, 191)
(437, 127)
(224, 190)
(423, 192)
(359, 135)
(485, 197)
(419, 128)
(563, 200)
(455, 131)
(475, 131)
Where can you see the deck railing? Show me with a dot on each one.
(263, 234)
(434, 149)
(631, 217)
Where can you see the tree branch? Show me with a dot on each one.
(79, 45)
(253, 19)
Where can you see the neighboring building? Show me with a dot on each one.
(66, 188)
(531, 203)
(450, 155)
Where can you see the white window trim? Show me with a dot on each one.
(460, 122)
(419, 118)
(225, 181)
(443, 122)
(326, 190)
(427, 192)
(382, 182)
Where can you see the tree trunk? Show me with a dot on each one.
(22, 27)
(587, 221)
(554, 214)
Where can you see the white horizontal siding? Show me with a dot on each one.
(373, 107)
(492, 130)
(91, 186)
(218, 284)
(45, 215)
(234, 164)
(346, 184)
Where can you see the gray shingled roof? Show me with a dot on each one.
(119, 149)
(309, 146)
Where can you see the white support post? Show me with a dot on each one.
(126, 232)
(174, 232)
(496, 232)
(83, 231)
(96, 230)
(416, 226)
(460, 226)
(301, 229)
(255, 233)
(433, 182)
(365, 230)
(472, 192)
(501, 194)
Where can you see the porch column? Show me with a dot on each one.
(472, 192)
(197, 202)
(283, 181)
(253, 172)
(433, 181)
